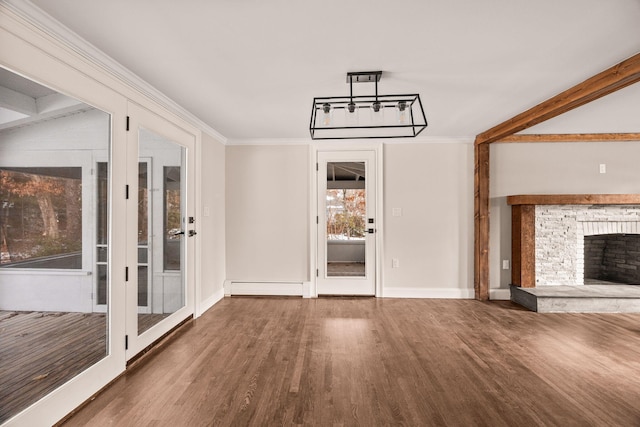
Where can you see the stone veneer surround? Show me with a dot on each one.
(559, 237)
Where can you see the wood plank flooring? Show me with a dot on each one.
(370, 362)
(40, 351)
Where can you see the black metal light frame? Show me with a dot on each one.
(416, 124)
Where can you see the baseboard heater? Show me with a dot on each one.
(265, 288)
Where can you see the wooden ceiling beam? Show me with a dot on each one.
(615, 78)
(570, 137)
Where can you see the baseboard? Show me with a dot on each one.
(306, 290)
(266, 288)
(499, 294)
(444, 293)
(209, 302)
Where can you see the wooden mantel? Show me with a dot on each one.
(523, 229)
(574, 199)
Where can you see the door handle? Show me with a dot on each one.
(176, 233)
(192, 233)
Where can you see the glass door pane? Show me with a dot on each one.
(161, 289)
(144, 237)
(54, 245)
(346, 218)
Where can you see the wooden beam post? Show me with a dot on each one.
(571, 137)
(481, 222)
(617, 77)
(523, 246)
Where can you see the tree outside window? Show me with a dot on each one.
(41, 217)
(346, 214)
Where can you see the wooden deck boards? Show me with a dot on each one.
(367, 361)
(40, 351)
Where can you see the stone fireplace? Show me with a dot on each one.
(612, 235)
(549, 234)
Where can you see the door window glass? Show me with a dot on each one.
(346, 216)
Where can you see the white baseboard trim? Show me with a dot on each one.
(209, 302)
(266, 288)
(500, 294)
(445, 293)
(306, 290)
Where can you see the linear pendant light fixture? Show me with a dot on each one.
(369, 116)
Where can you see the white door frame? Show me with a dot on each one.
(314, 148)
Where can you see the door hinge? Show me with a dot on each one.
(317, 167)
(317, 272)
(126, 342)
(126, 191)
(127, 123)
(317, 219)
(126, 274)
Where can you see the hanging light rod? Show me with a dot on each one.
(369, 116)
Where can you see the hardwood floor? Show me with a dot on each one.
(366, 361)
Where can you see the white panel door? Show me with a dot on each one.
(346, 223)
(160, 227)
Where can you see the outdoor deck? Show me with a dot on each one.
(40, 351)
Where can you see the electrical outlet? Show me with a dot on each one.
(603, 168)
(395, 263)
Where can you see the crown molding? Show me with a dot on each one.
(268, 141)
(39, 19)
(432, 140)
(390, 141)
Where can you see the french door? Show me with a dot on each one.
(160, 228)
(346, 223)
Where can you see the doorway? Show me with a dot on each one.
(347, 223)
(160, 228)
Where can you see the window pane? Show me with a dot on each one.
(346, 216)
(172, 218)
(102, 194)
(143, 204)
(41, 217)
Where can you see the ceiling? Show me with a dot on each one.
(24, 102)
(250, 68)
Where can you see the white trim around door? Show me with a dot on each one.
(370, 284)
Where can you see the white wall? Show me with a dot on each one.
(212, 221)
(433, 239)
(552, 168)
(267, 197)
(267, 203)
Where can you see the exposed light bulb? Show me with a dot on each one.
(377, 113)
(327, 112)
(351, 114)
(403, 112)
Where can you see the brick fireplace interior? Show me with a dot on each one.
(612, 258)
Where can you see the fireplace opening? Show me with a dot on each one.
(612, 258)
